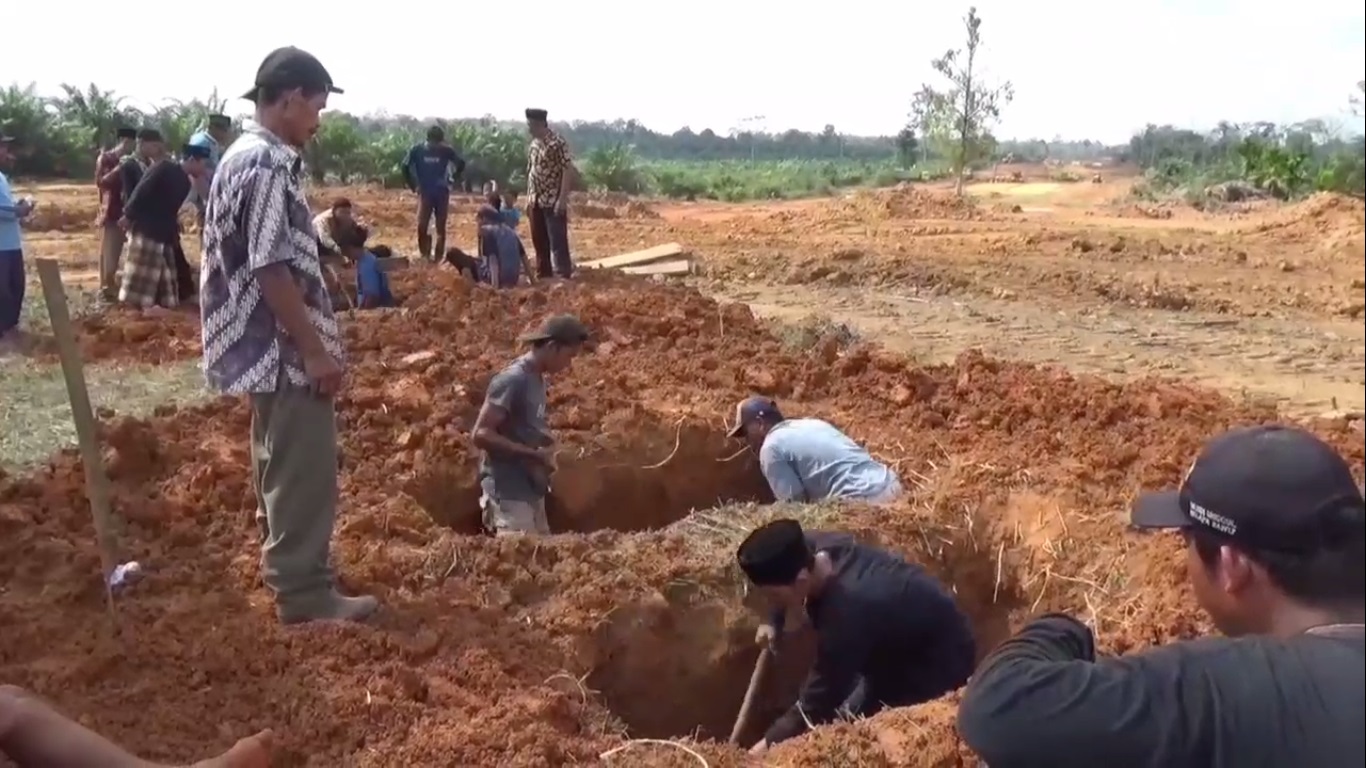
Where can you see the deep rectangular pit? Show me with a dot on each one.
(673, 670)
(656, 477)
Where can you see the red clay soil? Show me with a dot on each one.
(497, 652)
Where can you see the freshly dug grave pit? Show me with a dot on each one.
(640, 476)
(680, 666)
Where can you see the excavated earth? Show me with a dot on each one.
(633, 625)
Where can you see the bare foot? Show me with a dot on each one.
(251, 752)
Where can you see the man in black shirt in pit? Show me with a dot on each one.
(888, 634)
(1273, 521)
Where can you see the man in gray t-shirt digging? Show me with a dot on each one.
(518, 449)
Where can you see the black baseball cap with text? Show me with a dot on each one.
(289, 68)
(1271, 487)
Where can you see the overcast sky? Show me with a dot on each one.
(1081, 69)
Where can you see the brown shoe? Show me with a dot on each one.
(332, 607)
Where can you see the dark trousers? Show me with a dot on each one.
(431, 204)
(186, 288)
(940, 674)
(11, 289)
(550, 238)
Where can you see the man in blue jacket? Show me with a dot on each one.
(428, 172)
(215, 137)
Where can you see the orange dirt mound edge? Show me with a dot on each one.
(549, 652)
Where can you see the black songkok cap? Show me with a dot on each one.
(773, 554)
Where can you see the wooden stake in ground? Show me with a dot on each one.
(73, 370)
(756, 681)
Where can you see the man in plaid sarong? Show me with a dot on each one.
(149, 274)
(151, 217)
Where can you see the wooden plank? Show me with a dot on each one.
(679, 267)
(73, 370)
(646, 256)
(393, 263)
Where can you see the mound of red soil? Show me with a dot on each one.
(541, 653)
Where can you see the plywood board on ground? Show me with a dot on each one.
(677, 267)
(657, 253)
(393, 263)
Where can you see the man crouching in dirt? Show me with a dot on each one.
(888, 634)
(809, 459)
(504, 256)
(33, 735)
(512, 431)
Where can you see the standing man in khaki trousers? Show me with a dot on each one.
(108, 181)
(269, 334)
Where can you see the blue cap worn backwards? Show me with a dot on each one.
(753, 409)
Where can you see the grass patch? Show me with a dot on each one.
(813, 331)
(35, 414)
(80, 302)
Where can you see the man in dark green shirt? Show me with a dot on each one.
(1273, 520)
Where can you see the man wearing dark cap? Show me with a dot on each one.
(550, 175)
(514, 435)
(150, 148)
(1275, 537)
(427, 169)
(887, 633)
(156, 274)
(107, 181)
(215, 135)
(270, 334)
(810, 459)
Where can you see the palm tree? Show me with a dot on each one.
(97, 113)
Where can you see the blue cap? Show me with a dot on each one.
(195, 150)
(1270, 487)
(753, 409)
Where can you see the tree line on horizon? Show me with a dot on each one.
(949, 133)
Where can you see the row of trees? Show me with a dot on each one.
(951, 130)
(62, 133)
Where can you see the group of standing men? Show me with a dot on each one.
(142, 192)
(431, 167)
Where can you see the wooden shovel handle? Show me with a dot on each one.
(755, 681)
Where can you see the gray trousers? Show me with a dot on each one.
(294, 465)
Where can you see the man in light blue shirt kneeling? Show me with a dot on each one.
(809, 459)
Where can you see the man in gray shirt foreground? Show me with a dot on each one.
(512, 431)
(810, 459)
